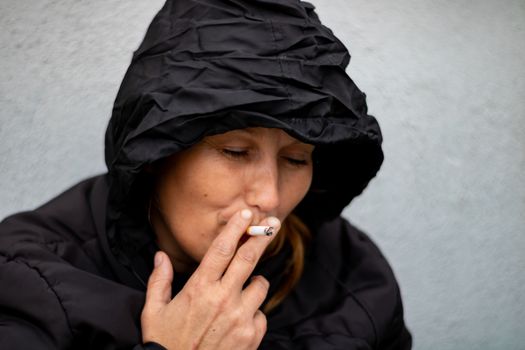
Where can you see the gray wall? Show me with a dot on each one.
(446, 80)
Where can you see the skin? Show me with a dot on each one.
(204, 200)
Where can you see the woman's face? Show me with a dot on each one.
(198, 190)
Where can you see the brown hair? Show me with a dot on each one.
(297, 234)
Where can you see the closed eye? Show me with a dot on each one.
(234, 153)
(240, 154)
(296, 161)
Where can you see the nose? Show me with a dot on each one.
(263, 189)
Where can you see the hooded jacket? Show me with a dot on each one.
(73, 272)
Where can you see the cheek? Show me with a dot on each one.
(205, 187)
(215, 189)
(194, 205)
(295, 189)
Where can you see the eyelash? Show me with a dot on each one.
(243, 154)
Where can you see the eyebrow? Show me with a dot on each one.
(252, 132)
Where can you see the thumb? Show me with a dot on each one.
(159, 283)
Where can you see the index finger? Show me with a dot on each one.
(223, 247)
(248, 256)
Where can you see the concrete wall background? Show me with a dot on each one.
(445, 79)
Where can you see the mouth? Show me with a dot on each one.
(245, 236)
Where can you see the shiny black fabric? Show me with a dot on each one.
(73, 272)
(209, 66)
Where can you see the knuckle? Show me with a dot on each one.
(195, 293)
(156, 281)
(262, 282)
(148, 315)
(248, 256)
(235, 317)
(220, 301)
(238, 226)
(260, 325)
(264, 323)
(223, 248)
(263, 319)
(145, 316)
(217, 301)
(246, 334)
(190, 292)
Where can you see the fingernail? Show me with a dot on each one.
(158, 259)
(274, 222)
(246, 214)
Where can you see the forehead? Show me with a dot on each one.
(261, 133)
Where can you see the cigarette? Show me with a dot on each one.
(260, 230)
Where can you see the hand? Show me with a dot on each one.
(212, 311)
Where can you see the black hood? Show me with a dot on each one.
(208, 66)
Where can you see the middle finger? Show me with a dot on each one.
(248, 255)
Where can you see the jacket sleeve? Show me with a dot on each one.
(374, 284)
(30, 313)
(398, 339)
(371, 280)
(315, 341)
(396, 336)
(17, 333)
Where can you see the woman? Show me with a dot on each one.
(232, 114)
